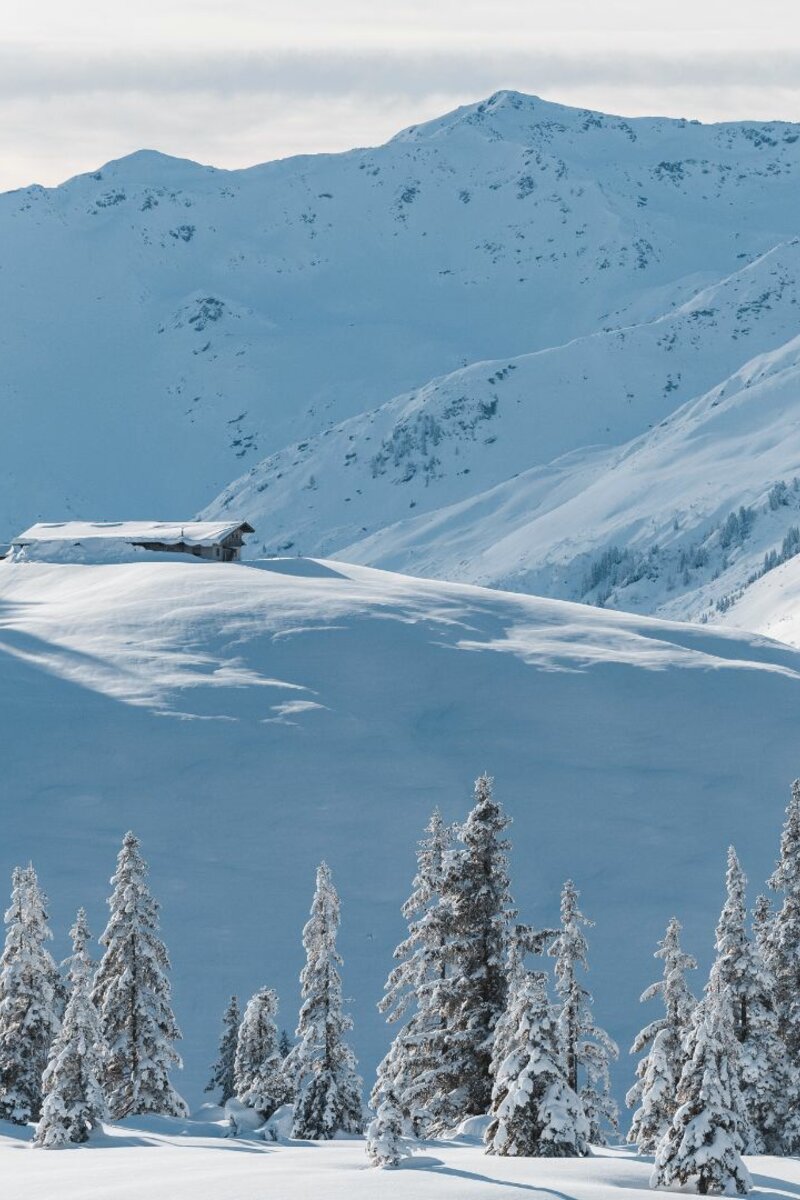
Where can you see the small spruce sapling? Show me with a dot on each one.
(259, 1077)
(222, 1070)
(387, 1143)
(534, 1111)
(701, 1147)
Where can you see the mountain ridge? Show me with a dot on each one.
(165, 327)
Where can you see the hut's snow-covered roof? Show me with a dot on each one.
(190, 533)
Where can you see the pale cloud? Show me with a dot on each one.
(243, 81)
(381, 72)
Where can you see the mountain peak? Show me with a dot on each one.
(145, 166)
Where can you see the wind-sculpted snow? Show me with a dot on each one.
(164, 326)
(248, 721)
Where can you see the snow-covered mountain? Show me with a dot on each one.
(372, 344)
(522, 472)
(249, 720)
(679, 521)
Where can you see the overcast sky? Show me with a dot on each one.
(234, 82)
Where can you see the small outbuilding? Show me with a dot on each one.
(216, 540)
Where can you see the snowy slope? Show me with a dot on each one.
(654, 525)
(164, 325)
(248, 720)
(194, 1162)
(771, 605)
(458, 437)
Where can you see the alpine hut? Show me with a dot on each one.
(217, 540)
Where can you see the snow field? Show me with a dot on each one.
(162, 1160)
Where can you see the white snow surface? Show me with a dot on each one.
(772, 605)
(160, 1158)
(248, 721)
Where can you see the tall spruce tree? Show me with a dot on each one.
(773, 1091)
(74, 1102)
(777, 936)
(768, 1081)
(132, 995)
(782, 933)
(473, 996)
(765, 1077)
(412, 1069)
(222, 1070)
(258, 1073)
(587, 1049)
(733, 946)
(534, 1111)
(31, 1000)
(701, 1148)
(326, 1082)
(659, 1071)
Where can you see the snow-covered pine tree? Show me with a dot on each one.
(31, 1000)
(522, 940)
(587, 1049)
(733, 945)
(475, 891)
(74, 1102)
(326, 1082)
(701, 1146)
(37, 905)
(79, 964)
(505, 1030)
(412, 1068)
(534, 1111)
(765, 1077)
(782, 934)
(659, 1071)
(258, 1072)
(386, 1142)
(768, 1081)
(132, 995)
(222, 1070)
(286, 1048)
(762, 924)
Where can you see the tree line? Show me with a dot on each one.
(721, 1076)
(480, 1026)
